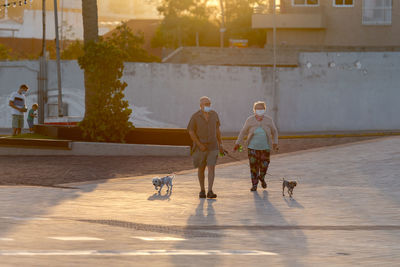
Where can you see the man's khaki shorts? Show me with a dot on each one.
(18, 121)
(204, 158)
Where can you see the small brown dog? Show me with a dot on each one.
(290, 186)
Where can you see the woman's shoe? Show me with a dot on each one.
(263, 183)
(253, 188)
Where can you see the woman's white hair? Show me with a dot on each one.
(259, 103)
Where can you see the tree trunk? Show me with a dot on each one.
(90, 33)
(90, 20)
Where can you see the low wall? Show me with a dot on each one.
(100, 149)
(332, 91)
(149, 136)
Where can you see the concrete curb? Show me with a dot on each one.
(101, 149)
(308, 136)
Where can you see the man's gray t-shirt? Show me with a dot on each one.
(205, 130)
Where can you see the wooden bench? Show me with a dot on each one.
(149, 136)
(35, 143)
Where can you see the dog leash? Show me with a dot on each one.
(173, 174)
(247, 164)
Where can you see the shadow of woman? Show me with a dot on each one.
(291, 238)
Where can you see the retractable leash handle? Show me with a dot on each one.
(229, 155)
(240, 148)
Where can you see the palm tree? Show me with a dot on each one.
(90, 33)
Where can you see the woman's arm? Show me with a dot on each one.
(274, 132)
(243, 132)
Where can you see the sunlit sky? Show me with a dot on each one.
(214, 2)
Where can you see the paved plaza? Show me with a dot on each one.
(345, 212)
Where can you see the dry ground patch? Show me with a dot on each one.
(55, 170)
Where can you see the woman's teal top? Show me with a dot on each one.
(259, 141)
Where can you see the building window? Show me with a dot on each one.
(305, 2)
(343, 3)
(377, 12)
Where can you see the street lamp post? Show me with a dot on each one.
(60, 107)
(43, 69)
(275, 100)
(6, 10)
(222, 29)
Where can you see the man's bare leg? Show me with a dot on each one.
(200, 174)
(14, 132)
(211, 175)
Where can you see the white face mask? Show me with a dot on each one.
(260, 112)
(207, 109)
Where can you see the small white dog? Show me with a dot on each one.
(160, 182)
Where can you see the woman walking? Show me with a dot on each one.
(261, 132)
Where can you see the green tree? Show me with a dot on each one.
(183, 20)
(73, 50)
(107, 120)
(130, 44)
(106, 112)
(238, 21)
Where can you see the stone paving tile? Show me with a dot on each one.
(345, 212)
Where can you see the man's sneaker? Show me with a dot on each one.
(263, 183)
(211, 194)
(253, 188)
(202, 194)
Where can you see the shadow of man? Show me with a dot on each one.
(203, 216)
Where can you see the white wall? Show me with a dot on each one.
(341, 91)
(172, 91)
(327, 92)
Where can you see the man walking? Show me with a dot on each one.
(204, 131)
(18, 105)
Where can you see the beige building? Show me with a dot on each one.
(350, 23)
